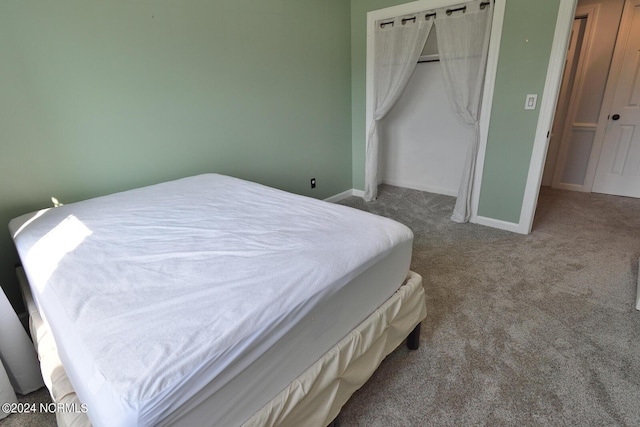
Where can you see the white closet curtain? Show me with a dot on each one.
(463, 44)
(397, 48)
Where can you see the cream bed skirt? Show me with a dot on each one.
(313, 399)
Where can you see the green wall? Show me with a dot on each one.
(359, 9)
(98, 96)
(522, 69)
(525, 48)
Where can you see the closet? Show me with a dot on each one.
(422, 141)
(419, 135)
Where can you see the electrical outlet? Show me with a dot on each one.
(313, 183)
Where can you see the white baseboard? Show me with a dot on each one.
(499, 224)
(341, 196)
(571, 187)
(489, 222)
(427, 188)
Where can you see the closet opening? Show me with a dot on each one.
(422, 142)
(431, 136)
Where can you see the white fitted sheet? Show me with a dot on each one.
(313, 399)
(159, 298)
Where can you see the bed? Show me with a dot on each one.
(211, 300)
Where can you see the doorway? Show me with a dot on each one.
(597, 114)
(618, 170)
(563, 129)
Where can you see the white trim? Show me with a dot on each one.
(429, 58)
(571, 187)
(487, 103)
(551, 91)
(499, 224)
(409, 8)
(341, 196)
(490, 75)
(428, 188)
(591, 14)
(344, 195)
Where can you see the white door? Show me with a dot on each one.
(618, 169)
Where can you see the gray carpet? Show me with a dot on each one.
(32, 419)
(520, 330)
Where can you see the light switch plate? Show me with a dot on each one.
(531, 101)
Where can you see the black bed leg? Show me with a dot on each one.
(413, 340)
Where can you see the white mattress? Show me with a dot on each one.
(186, 296)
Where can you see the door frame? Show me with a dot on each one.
(551, 91)
(490, 74)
